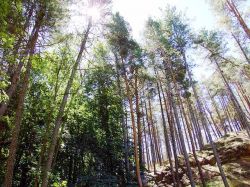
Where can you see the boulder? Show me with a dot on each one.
(234, 152)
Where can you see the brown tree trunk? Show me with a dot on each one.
(236, 13)
(61, 109)
(166, 136)
(240, 113)
(154, 132)
(30, 47)
(192, 142)
(241, 48)
(201, 114)
(218, 161)
(16, 130)
(242, 99)
(152, 146)
(171, 129)
(183, 146)
(145, 138)
(138, 119)
(217, 111)
(19, 111)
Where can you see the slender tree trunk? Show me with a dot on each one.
(192, 143)
(152, 147)
(218, 161)
(19, 111)
(227, 114)
(62, 108)
(193, 129)
(124, 129)
(154, 131)
(184, 126)
(213, 121)
(238, 16)
(138, 119)
(241, 48)
(171, 129)
(243, 93)
(137, 162)
(16, 130)
(29, 50)
(166, 136)
(189, 171)
(241, 98)
(145, 138)
(217, 111)
(237, 106)
(201, 114)
(197, 128)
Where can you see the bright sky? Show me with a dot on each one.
(198, 12)
(136, 12)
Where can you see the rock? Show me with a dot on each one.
(234, 152)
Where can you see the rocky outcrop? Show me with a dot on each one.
(234, 152)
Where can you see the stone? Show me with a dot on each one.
(234, 152)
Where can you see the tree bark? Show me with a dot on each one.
(62, 108)
(236, 13)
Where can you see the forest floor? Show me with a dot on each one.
(234, 151)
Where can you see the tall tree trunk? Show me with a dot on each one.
(201, 114)
(196, 125)
(171, 129)
(138, 119)
(241, 98)
(243, 93)
(154, 131)
(166, 136)
(29, 50)
(137, 162)
(172, 100)
(124, 129)
(16, 129)
(152, 147)
(217, 111)
(238, 16)
(241, 48)
(62, 108)
(218, 161)
(145, 138)
(237, 106)
(19, 111)
(192, 141)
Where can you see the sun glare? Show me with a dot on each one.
(94, 13)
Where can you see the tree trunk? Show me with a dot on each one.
(218, 161)
(172, 100)
(138, 119)
(154, 131)
(124, 129)
(166, 136)
(29, 50)
(152, 147)
(217, 111)
(171, 128)
(192, 142)
(61, 109)
(201, 114)
(237, 106)
(234, 10)
(137, 162)
(16, 129)
(241, 48)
